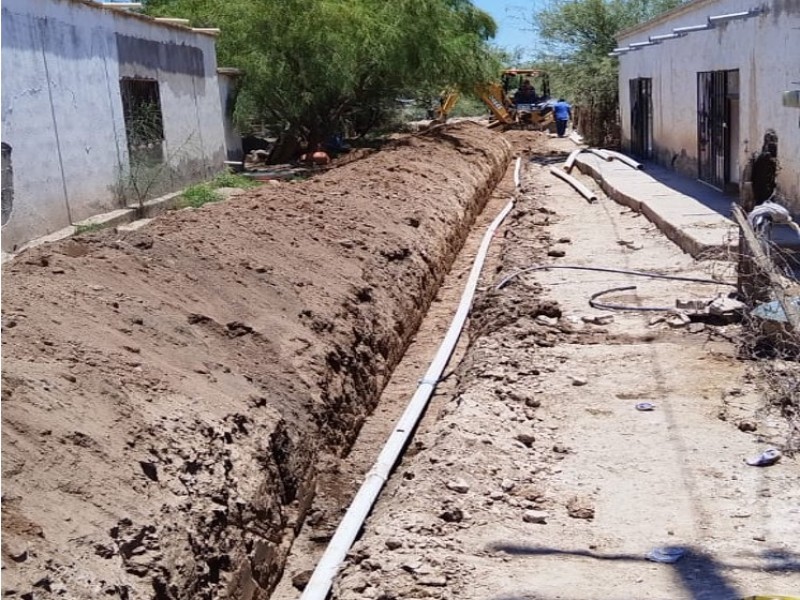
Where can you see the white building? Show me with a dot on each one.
(700, 86)
(101, 108)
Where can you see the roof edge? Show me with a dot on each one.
(139, 16)
(666, 16)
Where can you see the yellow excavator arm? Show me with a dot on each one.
(494, 97)
(447, 102)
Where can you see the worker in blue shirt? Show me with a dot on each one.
(563, 113)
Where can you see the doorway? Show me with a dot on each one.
(718, 128)
(641, 90)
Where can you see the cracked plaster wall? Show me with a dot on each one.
(62, 111)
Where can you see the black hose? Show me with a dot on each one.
(626, 288)
(505, 281)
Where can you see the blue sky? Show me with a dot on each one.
(513, 17)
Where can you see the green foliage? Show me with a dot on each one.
(88, 228)
(469, 106)
(197, 195)
(144, 125)
(314, 67)
(581, 29)
(233, 180)
(578, 35)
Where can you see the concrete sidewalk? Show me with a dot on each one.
(693, 215)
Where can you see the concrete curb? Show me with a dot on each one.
(706, 236)
(140, 215)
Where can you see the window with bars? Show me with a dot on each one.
(141, 105)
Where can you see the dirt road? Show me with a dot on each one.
(175, 398)
(541, 479)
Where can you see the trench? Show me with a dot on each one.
(510, 383)
(235, 353)
(337, 487)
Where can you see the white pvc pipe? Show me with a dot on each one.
(582, 189)
(570, 162)
(322, 579)
(622, 158)
(601, 153)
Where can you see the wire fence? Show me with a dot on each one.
(770, 331)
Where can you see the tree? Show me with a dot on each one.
(314, 67)
(579, 34)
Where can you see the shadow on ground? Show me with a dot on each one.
(700, 575)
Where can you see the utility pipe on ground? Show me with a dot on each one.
(601, 153)
(570, 162)
(625, 159)
(322, 579)
(582, 189)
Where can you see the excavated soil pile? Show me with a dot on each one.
(170, 394)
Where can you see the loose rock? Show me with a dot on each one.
(507, 485)
(526, 439)
(544, 320)
(393, 544)
(459, 485)
(452, 515)
(580, 508)
(679, 320)
(535, 516)
(747, 425)
(300, 580)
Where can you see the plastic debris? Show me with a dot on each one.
(666, 554)
(645, 406)
(767, 458)
(773, 311)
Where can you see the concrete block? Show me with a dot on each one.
(51, 237)
(133, 225)
(157, 206)
(109, 219)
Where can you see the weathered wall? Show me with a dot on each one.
(765, 50)
(62, 110)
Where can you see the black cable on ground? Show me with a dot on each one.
(505, 281)
(626, 288)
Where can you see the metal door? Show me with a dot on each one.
(641, 117)
(713, 144)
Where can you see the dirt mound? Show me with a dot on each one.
(169, 394)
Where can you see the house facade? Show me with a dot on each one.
(101, 109)
(701, 86)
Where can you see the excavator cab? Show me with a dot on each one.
(513, 79)
(529, 105)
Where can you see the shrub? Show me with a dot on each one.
(198, 195)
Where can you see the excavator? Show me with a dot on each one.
(507, 113)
